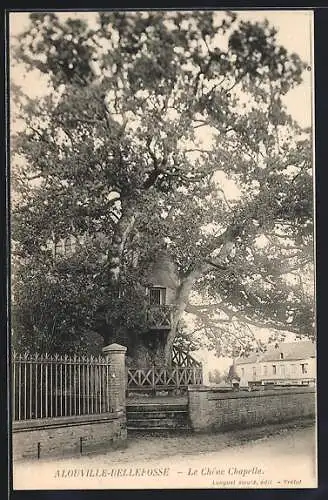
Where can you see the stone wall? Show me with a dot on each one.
(62, 436)
(212, 410)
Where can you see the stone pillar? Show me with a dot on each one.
(198, 407)
(115, 354)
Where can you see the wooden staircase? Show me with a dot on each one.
(157, 417)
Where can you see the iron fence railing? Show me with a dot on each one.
(45, 386)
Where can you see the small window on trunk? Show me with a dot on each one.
(157, 296)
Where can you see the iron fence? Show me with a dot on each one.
(47, 386)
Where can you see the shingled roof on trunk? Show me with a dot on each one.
(163, 272)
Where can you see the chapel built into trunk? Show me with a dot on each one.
(164, 283)
(146, 345)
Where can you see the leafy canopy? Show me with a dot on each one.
(177, 120)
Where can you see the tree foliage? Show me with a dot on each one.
(150, 118)
(215, 376)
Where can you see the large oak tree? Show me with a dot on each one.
(149, 119)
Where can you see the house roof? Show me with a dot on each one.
(252, 358)
(289, 350)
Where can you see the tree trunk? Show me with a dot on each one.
(226, 241)
(122, 230)
(180, 306)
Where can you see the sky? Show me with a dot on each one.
(295, 32)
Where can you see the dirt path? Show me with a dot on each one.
(268, 456)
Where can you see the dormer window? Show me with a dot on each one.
(157, 296)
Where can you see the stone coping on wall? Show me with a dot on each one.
(56, 422)
(219, 394)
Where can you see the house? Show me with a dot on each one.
(292, 363)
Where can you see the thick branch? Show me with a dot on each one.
(243, 319)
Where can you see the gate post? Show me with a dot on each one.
(115, 354)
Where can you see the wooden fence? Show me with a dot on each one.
(163, 379)
(46, 386)
(185, 371)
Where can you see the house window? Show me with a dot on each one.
(274, 369)
(254, 371)
(281, 355)
(157, 296)
(243, 372)
(282, 370)
(304, 368)
(265, 368)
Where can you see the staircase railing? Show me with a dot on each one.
(183, 359)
